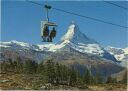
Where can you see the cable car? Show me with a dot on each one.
(48, 29)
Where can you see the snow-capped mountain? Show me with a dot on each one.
(75, 36)
(121, 54)
(76, 40)
(18, 45)
(74, 49)
(73, 40)
(14, 49)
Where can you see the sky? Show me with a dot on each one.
(20, 20)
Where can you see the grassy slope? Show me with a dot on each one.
(21, 81)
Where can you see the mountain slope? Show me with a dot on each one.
(75, 36)
(81, 61)
(78, 41)
(75, 50)
(72, 40)
(120, 54)
(14, 49)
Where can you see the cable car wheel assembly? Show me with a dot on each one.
(48, 29)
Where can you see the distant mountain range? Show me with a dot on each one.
(74, 49)
(121, 54)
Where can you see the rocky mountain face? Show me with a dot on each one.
(121, 54)
(81, 61)
(14, 49)
(74, 49)
(75, 40)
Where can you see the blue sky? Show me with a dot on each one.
(21, 21)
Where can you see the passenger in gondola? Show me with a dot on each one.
(52, 34)
(45, 33)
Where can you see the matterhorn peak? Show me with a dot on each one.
(74, 35)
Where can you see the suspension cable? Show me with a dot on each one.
(88, 17)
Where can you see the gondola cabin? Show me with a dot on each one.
(48, 31)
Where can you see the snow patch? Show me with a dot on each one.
(4, 46)
(75, 36)
(120, 54)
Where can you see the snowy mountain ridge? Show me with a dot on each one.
(75, 36)
(73, 39)
(18, 45)
(121, 54)
(78, 41)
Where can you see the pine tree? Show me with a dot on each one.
(88, 78)
(10, 64)
(73, 78)
(58, 73)
(41, 69)
(18, 65)
(125, 80)
(65, 73)
(98, 78)
(111, 80)
(50, 71)
(4, 66)
(30, 67)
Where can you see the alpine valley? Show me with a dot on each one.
(74, 49)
